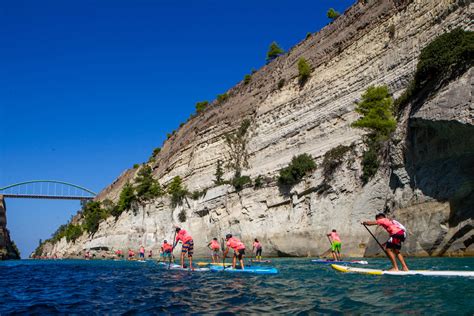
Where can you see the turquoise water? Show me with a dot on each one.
(113, 287)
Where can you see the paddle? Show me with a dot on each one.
(223, 255)
(381, 247)
(172, 249)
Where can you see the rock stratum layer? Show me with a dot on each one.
(428, 186)
(7, 249)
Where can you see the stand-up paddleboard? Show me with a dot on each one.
(228, 264)
(174, 266)
(325, 261)
(255, 270)
(261, 261)
(401, 273)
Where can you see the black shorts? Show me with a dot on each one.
(239, 253)
(258, 252)
(395, 241)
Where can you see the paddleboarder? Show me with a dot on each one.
(187, 247)
(142, 253)
(257, 247)
(239, 250)
(393, 245)
(215, 249)
(165, 250)
(336, 245)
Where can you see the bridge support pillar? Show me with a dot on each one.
(7, 250)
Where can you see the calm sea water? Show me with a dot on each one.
(114, 287)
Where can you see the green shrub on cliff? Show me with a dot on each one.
(247, 79)
(274, 51)
(177, 191)
(219, 173)
(73, 232)
(201, 106)
(239, 182)
(376, 108)
(332, 160)
(221, 98)
(93, 213)
(446, 57)
(304, 70)
(296, 170)
(332, 14)
(147, 188)
(126, 198)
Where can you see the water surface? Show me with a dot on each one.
(114, 287)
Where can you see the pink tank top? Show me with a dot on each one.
(235, 244)
(183, 236)
(389, 226)
(335, 237)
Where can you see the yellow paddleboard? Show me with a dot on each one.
(213, 264)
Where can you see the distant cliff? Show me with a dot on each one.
(426, 181)
(8, 250)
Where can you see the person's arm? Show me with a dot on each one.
(370, 223)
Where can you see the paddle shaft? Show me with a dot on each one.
(223, 256)
(381, 247)
(172, 249)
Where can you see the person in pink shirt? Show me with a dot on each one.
(257, 247)
(215, 248)
(394, 244)
(187, 247)
(336, 245)
(239, 250)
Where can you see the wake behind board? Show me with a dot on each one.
(402, 273)
(174, 266)
(324, 261)
(255, 270)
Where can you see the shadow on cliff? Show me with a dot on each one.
(440, 162)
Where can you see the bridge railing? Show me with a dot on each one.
(47, 189)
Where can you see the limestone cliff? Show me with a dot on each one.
(428, 183)
(7, 248)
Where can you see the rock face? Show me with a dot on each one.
(429, 186)
(7, 250)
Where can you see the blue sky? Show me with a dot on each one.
(88, 88)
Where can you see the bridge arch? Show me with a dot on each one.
(47, 189)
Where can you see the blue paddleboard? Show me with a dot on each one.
(254, 269)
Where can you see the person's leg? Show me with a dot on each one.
(241, 261)
(234, 259)
(334, 257)
(402, 261)
(391, 256)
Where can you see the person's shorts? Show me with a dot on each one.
(395, 241)
(336, 246)
(165, 254)
(215, 252)
(142, 255)
(188, 247)
(258, 252)
(239, 253)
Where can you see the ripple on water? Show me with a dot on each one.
(111, 287)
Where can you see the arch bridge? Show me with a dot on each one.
(47, 189)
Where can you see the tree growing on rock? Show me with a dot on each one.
(376, 110)
(219, 173)
(304, 70)
(147, 188)
(237, 148)
(332, 14)
(274, 51)
(177, 191)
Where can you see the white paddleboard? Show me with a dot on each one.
(401, 273)
(178, 267)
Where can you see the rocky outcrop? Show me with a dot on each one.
(7, 248)
(425, 185)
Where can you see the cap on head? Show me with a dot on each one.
(380, 215)
(228, 236)
(166, 241)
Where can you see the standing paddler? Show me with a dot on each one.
(187, 247)
(336, 245)
(393, 245)
(239, 250)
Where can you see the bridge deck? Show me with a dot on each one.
(54, 197)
